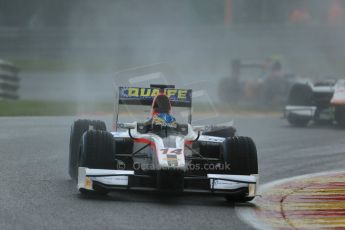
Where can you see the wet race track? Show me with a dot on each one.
(36, 192)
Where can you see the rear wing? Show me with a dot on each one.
(145, 96)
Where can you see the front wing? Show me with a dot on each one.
(302, 111)
(219, 184)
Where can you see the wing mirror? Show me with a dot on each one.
(199, 128)
(126, 125)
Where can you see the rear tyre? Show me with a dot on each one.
(297, 120)
(229, 91)
(78, 128)
(340, 115)
(300, 95)
(241, 154)
(97, 152)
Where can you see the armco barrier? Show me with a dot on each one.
(9, 81)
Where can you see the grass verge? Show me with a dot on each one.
(45, 108)
(53, 108)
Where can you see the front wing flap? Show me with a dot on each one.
(119, 179)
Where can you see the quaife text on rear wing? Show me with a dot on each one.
(145, 96)
(131, 97)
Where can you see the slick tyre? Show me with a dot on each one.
(297, 120)
(240, 153)
(78, 128)
(229, 91)
(300, 95)
(340, 115)
(97, 152)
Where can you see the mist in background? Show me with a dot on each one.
(72, 50)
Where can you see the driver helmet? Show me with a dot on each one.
(161, 109)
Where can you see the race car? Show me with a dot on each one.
(162, 153)
(257, 82)
(321, 102)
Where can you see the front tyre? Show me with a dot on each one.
(97, 152)
(78, 128)
(241, 154)
(298, 120)
(238, 198)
